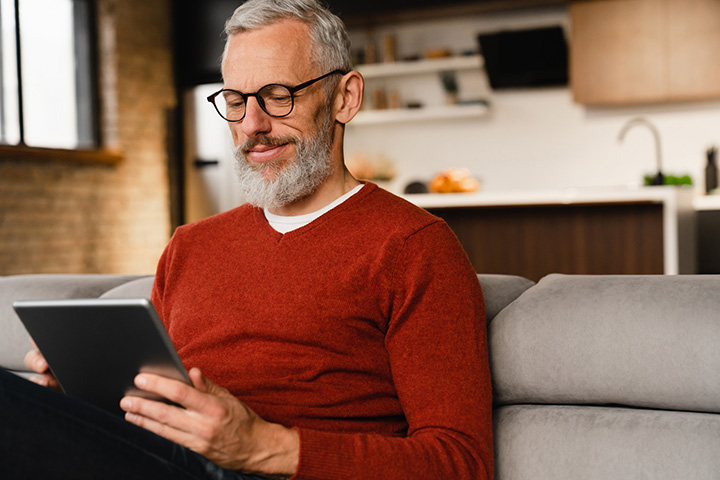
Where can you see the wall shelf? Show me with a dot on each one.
(407, 115)
(431, 65)
(418, 68)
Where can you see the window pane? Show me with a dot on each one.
(88, 129)
(48, 73)
(9, 116)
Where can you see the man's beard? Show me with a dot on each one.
(276, 184)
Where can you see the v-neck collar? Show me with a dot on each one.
(275, 236)
(298, 221)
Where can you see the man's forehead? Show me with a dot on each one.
(277, 52)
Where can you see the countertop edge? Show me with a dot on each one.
(559, 197)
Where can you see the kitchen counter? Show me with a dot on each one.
(706, 202)
(557, 197)
(676, 204)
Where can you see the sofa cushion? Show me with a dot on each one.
(599, 443)
(138, 288)
(647, 341)
(14, 340)
(501, 290)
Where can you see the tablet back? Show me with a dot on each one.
(96, 347)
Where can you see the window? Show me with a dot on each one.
(47, 89)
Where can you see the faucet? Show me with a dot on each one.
(659, 179)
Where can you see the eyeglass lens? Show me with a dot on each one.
(275, 100)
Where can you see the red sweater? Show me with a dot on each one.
(364, 330)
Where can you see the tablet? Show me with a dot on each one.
(96, 347)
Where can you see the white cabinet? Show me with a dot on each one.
(420, 82)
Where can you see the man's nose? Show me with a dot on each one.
(256, 121)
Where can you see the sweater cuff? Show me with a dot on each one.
(323, 455)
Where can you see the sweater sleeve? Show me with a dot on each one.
(436, 341)
(163, 277)
(158, 289)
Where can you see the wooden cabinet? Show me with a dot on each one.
(642, 51)
(533, 241)
(595, 231)
(694, 40)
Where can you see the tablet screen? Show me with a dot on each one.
(96, 347)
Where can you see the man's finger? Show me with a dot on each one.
(160, 428)
(141, 411)
(35, 361)
(173, 390)
(197, 379)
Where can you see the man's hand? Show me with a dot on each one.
(35, 361)
(215, 424)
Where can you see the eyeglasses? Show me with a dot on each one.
(276, 100)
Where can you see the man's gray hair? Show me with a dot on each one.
(332, 43)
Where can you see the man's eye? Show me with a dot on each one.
(279, 98)
(234, 100)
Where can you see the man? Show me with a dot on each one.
(345, 326)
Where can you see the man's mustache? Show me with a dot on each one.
(266, 141)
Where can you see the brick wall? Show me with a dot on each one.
(70, 217)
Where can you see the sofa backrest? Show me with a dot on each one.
(14, 340)
(648, 341)
(136, 288)
(499, 291)
(600, 377)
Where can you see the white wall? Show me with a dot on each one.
(535, 138)
(531, 139)
(541, 139)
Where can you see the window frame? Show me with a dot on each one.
(90, 147)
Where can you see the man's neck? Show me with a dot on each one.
(333, 188)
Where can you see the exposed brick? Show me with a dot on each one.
(78, 218)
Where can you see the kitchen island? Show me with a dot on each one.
(649, 230)
(708, 233)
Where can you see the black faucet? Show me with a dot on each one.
(659, 178)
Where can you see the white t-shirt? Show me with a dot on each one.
(284, 224)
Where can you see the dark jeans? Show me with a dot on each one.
(46, 434)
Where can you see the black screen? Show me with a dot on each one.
(525, 58)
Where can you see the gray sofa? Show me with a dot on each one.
(594, 377)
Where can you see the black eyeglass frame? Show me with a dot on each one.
(261, 102)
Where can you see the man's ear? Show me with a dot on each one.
(349, 96)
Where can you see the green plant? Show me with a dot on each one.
(670, 180)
